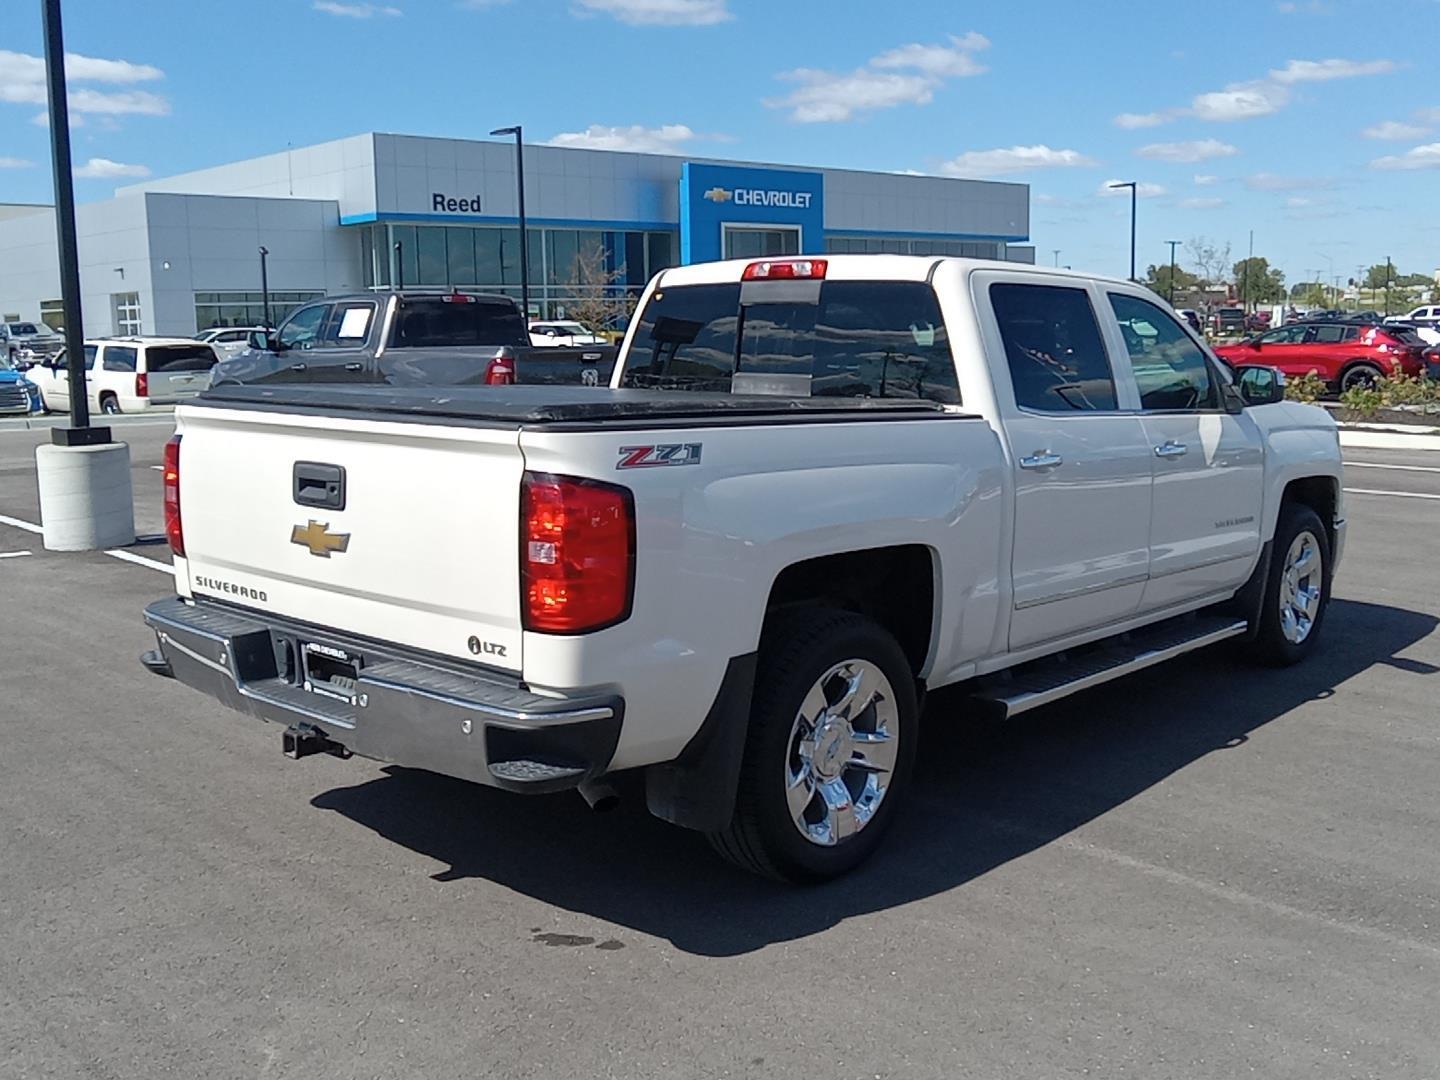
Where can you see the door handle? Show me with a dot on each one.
(299, 367)
(1171, 449)
(354, 366)
(1041, 459)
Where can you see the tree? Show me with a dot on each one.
(1257, 282)
(1157, 278)
(1209, 258)
(1379, 275)
(601, 302)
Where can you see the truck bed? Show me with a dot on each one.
(558, 407)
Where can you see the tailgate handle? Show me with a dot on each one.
(321, 485)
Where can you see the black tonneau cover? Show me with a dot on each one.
(527, 406)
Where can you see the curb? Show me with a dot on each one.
(1389, 436)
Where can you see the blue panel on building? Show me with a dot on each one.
(713, 196)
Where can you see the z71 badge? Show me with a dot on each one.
(650, 457)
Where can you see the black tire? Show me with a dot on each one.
(1359, 375)
(110, 405)
(796, 650)
(1272, 645)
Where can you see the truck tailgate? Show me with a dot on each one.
(419, 547)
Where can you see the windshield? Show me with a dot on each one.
(27, 329)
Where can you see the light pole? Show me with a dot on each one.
(1134, 194)
(265, 286)
(1388, 269)
(1056, 253)
(1173, 245)
(520, 205)
(399, 266)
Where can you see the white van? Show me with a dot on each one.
(129, 375)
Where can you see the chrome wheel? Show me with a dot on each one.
(1301, 585)
(842, 753)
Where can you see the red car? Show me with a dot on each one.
(1343, 354)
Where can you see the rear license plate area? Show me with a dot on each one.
(330, 672)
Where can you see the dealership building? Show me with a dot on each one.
(177, 255)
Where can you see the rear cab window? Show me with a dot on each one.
(867, 339)
(431, 321)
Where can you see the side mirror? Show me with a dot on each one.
(1261, 385)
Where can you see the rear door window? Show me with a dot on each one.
(871, 339)
(428, 322)
(1330, 334)
(347, 326)
(1056, 356)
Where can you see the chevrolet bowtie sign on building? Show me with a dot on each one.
(735, 211)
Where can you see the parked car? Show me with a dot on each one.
(129, 375)
(1425, 313)
(25, 343)
(229, 340)
(548, 334)
(1257, 321)
(1227, 320)
(1431, 357)
(18, 395)
(1191, 316)
(1344, 354)
(1428, 332)
(816, 487)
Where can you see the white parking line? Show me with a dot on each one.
(140, 560)
(13, 554)
(1396, 494)
(17, 523)
(1397, 468)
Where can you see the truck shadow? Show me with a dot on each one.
(983, 797)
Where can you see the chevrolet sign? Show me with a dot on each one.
(798, 200)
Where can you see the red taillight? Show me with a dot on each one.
(786, 270)
(500, 372)
(577, 553)
(170, 471)
(142, 385)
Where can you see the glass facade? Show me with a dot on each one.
(904, 245)
(565, 264)
(246, 308)
(749, 242)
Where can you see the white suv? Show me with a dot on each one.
(229, 340)
(129, 375)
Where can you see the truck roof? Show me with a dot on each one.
(868, 268)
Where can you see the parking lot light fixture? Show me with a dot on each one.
(1173, 245)
(265, 285)
(1133, 185)
(520, 207)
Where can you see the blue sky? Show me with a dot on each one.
(1316, 123)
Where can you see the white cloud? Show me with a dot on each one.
(1130, 120)
(1394, 129)
(104, 168)
(1428, 116)
(1017, 159)
(1202, 203)
(1205, 180)
(1419, 157)
(1324, 70)
(953, 61)
(14, 163)
(1295, 202)
(1188, 152)
(660, 12)
(1239, 101)
(355, 11)
(22, 82)
(1268, 181)
(1143, 190)
(666, 139)
(907, 75)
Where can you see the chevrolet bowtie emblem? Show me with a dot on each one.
(717, 195)
(319, 539)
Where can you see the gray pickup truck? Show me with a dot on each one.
(412, 339)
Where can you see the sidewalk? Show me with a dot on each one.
(1389, 436)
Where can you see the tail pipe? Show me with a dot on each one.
(600, 795)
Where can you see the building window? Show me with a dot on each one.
(751, 242)
(901, 245)
(52, 314)
(247, 308)
(126, 309)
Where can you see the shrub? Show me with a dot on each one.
(1308, 388)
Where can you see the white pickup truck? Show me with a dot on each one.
(816, 488)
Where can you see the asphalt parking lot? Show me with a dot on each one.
(1209, 870)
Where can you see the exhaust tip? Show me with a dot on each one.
(599, 795)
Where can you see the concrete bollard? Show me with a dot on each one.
(85, 498)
